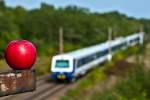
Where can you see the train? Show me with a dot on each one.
(69, 66)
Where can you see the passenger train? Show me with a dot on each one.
(70, 65)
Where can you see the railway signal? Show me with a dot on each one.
(20, 56)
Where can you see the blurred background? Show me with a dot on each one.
(84, 23)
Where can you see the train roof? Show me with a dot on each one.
(133, 36)
(89, 50)
(82, 52)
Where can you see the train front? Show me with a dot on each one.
(62, 68)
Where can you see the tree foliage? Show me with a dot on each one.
(81, 27)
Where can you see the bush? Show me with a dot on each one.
(136, 87)
(85, 85)
(42, 66)
(92, 78)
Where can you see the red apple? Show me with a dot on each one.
(20, 54)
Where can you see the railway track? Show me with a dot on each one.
(47, 93)
(44, 90)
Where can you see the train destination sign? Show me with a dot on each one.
(17, 81)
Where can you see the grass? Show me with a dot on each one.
(92, 78)
(84, 88)
(85, 85)
(42, 66)
(3, 65)
(135, 87)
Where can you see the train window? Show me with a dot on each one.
(62, 64)
(92, 57)
(85, 60)
(134, 40)
(115, 48)
(103, 53)
(99, 54)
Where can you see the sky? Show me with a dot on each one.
(132, 8)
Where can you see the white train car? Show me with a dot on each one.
(71, 65)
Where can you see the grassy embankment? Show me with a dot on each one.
(90, 87)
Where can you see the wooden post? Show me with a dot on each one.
(142, 34)
(109, 40)
(142, 51)
(61, 44)
(141, 29)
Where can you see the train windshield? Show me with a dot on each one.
(62, 64)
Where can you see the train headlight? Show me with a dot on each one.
(61, 76)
